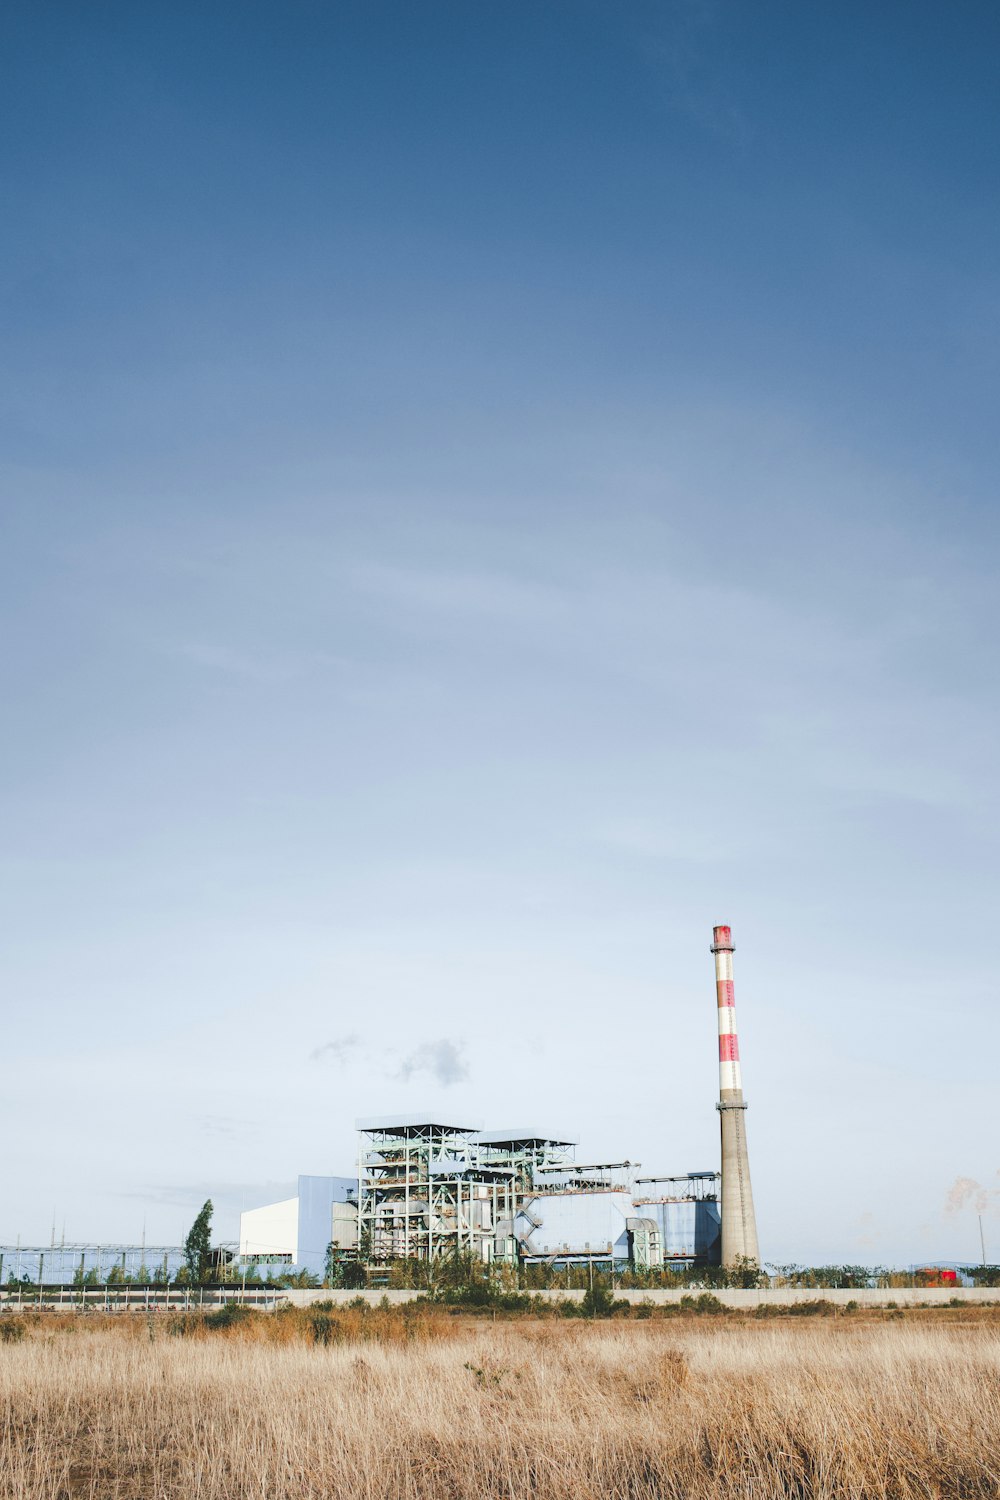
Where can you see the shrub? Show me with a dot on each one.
(705, 1303)
(230, 1316)
(816, 1306)
(325, 1328)
(599, 1301)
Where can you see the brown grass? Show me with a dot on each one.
(446, 1408)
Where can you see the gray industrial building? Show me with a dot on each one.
(428, 1188)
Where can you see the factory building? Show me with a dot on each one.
(686, 1212)
(296, 1231)
(427, 1187)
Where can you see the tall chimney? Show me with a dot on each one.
(739, 1225)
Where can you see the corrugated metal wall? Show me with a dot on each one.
(689, 1230)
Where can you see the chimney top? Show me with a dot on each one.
(722, 940)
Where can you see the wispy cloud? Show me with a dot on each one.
(340, 1050)
(689, 59)
(229, 1199)
(225, 1125)
(442, 1060)
(251, 666)
(635, 837)
(487, 594)
(867, 1230)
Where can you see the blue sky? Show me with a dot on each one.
(488, 492)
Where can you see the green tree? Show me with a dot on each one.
(299, 1278)
(745, 1272)
(198, 1245)
(598, 1300)
(985, 1275)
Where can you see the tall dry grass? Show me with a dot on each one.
(449, 1408)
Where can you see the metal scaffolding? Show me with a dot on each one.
(525, 1153)
(689, 1187)
(426, 1188)
(422, 1192)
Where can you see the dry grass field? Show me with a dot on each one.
(400, 1407)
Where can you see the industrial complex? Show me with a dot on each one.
(428, 1187)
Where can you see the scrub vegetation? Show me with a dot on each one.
(425, 1402)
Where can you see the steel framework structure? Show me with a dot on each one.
(422, 1192)
(428, 1188)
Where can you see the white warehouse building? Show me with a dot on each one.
(297, 1231)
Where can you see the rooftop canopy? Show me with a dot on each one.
(684, 1177)
(520, 1137)
(411, 1124)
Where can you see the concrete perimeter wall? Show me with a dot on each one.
(138, 1299)
(729, 1297)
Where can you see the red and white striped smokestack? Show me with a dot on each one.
(739, 1223)
(730, 1076)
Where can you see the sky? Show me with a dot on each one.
(488, 492)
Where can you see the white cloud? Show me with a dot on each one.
(442, 1060)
